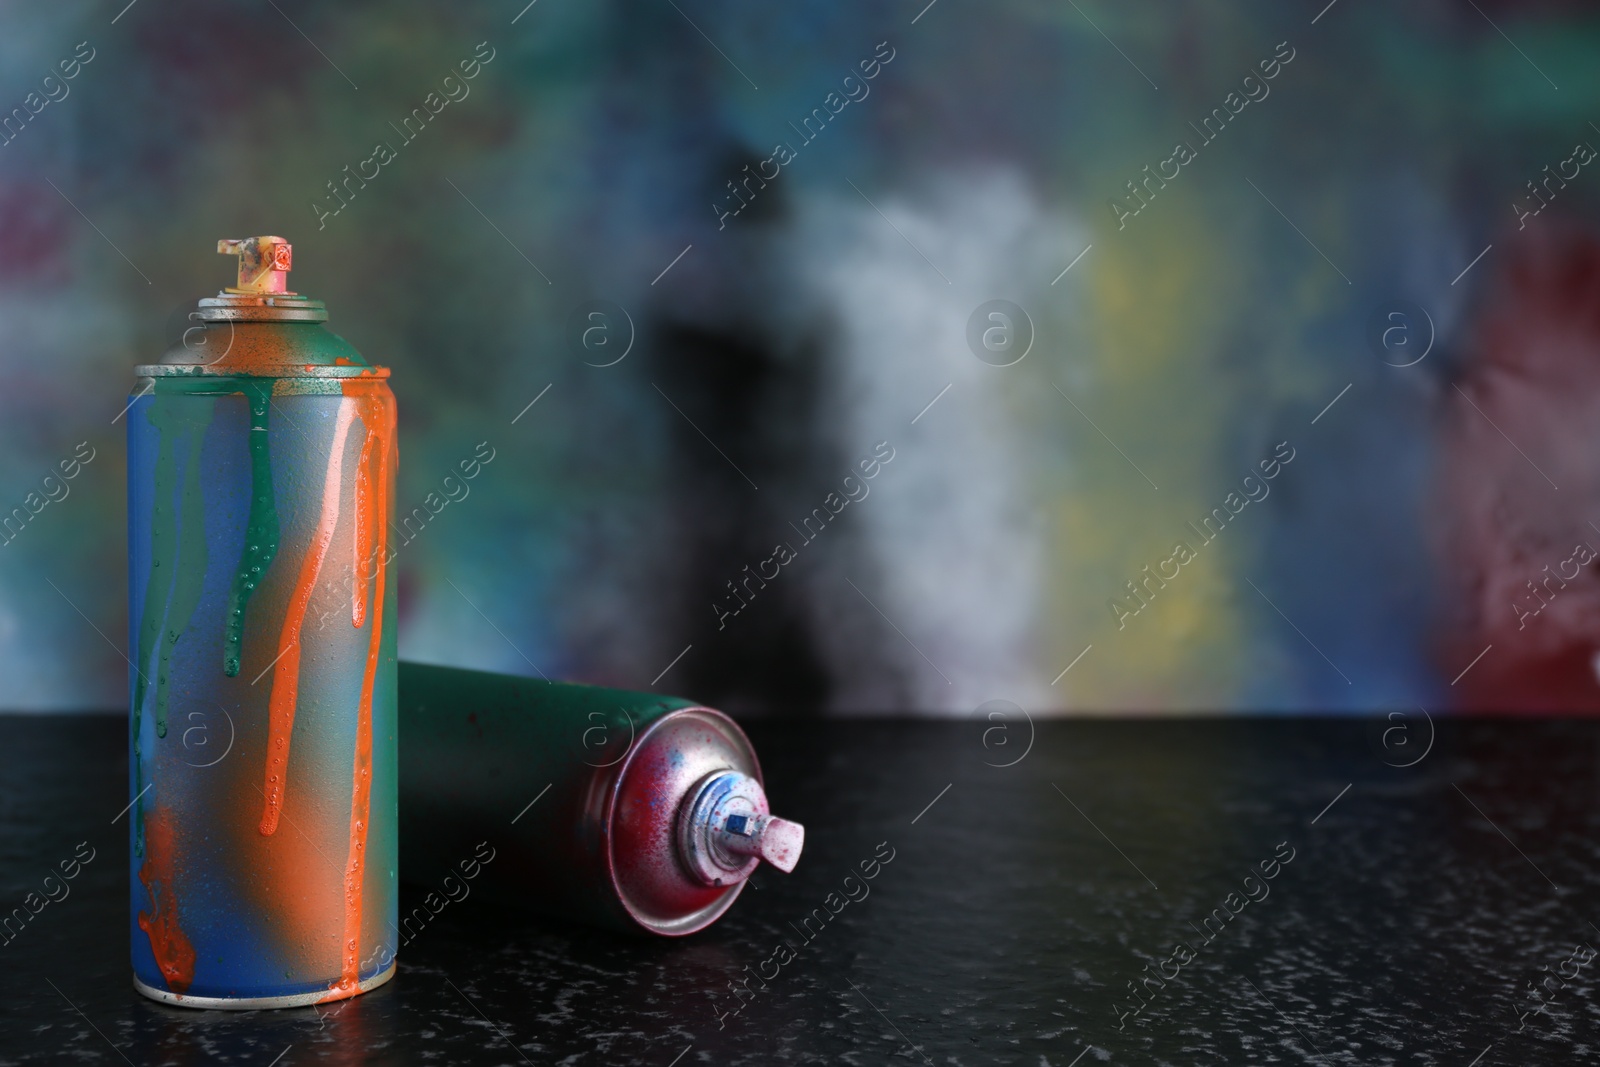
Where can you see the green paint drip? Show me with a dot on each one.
(163, 550)
(190, 579)
(168, 586)
(261, 532)
(163, 547)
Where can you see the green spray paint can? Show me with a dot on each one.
(630, 810)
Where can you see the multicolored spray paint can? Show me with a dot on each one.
(262, 762)
(629, 810)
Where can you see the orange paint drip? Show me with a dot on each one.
(173, 952)
(286, 673)
(365, 523)
(378, 414)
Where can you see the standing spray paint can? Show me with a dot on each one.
(630, 810)
(262, 763)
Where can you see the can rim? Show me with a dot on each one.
(288, 370)
(261, 307)
(698, 920)
(292, 1000)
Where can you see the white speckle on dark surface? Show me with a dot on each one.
(1405, 930)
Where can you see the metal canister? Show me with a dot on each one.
(630, 810)
(262, 760)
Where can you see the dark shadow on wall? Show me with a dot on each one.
(754, 649)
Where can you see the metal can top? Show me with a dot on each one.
(263, 293)
(259, 328)
(689, 822)
(248, 307)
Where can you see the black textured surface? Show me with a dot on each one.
(1408, 928)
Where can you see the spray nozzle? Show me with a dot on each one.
(263, 263)
(725, 829)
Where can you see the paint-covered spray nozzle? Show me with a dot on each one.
(264, 263)
(725, 830)
(263, 293)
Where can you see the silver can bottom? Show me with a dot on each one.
(295, 1000)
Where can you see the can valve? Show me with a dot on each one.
(725, 831)
(263, 263)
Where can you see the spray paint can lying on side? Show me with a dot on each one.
(630, 810)
(261, 455)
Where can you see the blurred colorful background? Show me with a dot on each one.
(689, 269)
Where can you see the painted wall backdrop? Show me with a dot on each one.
(873, 357)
